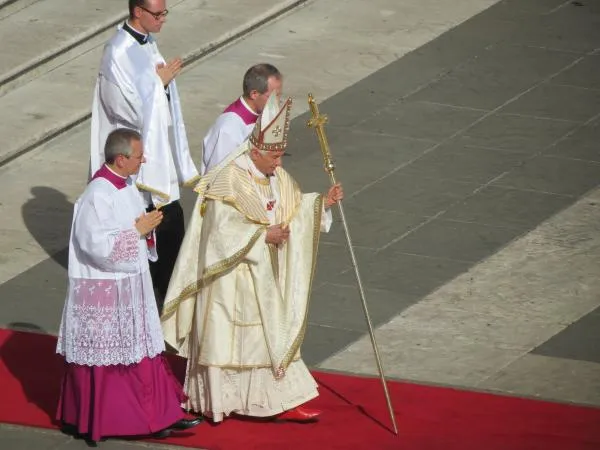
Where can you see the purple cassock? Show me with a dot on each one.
(117, 381)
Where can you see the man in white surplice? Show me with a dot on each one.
(237, 303)
(116, 381)
(237, 121)
(136, 89)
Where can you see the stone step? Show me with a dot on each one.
(9, 7)
(38, 36)
(58, 100)
(323, 48)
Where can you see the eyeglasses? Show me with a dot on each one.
(138, 157)
(156, 15)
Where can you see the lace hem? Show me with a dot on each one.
(126, 247)
(109, 322)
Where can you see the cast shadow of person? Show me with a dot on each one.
(29, 355)
(48, 216)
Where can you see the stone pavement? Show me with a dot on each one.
(472, 170)
(60, 63)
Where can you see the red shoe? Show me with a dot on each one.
(300, 414)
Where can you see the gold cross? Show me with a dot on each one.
(276, 131)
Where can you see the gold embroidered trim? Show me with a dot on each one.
(257, 137)
(239, 366)
(318, 210)
(234, 259)
(153, 191)
(171, 307)
(209, 273)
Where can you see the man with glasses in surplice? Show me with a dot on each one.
(136, 89)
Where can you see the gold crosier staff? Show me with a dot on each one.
(318, 122)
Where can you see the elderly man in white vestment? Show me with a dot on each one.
(136, 89)
(237, 121)
(116, 382)
(237, 303)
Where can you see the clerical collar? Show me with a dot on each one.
(250, 110)
(140, 37)
(243, 111)
(111, 176)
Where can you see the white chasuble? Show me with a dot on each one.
(110, 314)
(129, 94)
(237, 306)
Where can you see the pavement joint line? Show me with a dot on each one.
(503, 366)
(66, 61)
(14, 7)
(535, 191)
(54, 53)
(320, 325)
(553, 49)
(581, 88)
(493, 149)
(337, 244)
(6, 3)
(475, 122)
(530, 116)
(577, 87)
(462, 200)
(370, 289)
(449, 105)
(377, 133)
(244, 30)
(436, 258)
(470, 222)
(557, 8)
(573, 131)
(409, 232)
(45, 138)
(400, 167)
(425, 85)
(193, 57)
(570, 158)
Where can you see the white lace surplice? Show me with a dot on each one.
(110, 314)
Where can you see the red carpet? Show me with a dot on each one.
(355, 415)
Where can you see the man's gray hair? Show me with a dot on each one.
(257, 77)
(119, 142)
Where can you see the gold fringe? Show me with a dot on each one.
(192, 182)
(153, 191)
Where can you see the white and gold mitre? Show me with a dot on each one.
(271, 130)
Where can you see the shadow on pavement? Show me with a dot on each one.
(48, 218)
